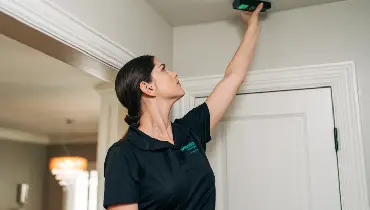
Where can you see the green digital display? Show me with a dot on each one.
(243, 6)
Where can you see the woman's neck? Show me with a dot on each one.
(155, 121)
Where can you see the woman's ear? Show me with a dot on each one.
(147, 89)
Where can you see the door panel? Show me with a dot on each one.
(275, 151)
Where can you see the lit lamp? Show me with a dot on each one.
(65, 169)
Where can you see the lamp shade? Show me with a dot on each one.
(65, 169)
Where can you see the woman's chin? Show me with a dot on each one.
(180, 95)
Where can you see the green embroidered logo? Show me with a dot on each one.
(190, 147)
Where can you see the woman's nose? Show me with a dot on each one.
(174, 74)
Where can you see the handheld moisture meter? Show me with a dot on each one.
(250, 5)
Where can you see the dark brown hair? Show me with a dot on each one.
(127, 85)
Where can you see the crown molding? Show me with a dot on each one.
(35, 138)
(52, 20)
(23, 136)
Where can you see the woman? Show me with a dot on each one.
(159, 164)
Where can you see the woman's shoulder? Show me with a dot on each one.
(122, 149)
(194, 114)
(122, 146)
(120, 154)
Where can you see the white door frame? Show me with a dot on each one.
(341, 78)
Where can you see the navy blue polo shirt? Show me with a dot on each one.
(160, 175)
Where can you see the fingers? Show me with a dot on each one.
(258, 10)
(248, 13)
(245, 14)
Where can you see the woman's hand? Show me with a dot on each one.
(252, 19)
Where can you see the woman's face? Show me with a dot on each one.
(165, 84)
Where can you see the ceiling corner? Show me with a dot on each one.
(23, 136)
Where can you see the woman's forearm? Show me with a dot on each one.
(243, 57)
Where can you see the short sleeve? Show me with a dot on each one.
(121, 177)
(198, 120)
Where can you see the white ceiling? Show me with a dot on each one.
(186, 12)
(38, 92)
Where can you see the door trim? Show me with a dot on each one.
(341, 77)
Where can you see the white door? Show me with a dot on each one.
(276, 151)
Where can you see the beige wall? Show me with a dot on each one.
(21, 163)
(28, 163)
(53, 194)
(326, 33)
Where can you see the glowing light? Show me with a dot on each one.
(66, 169)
